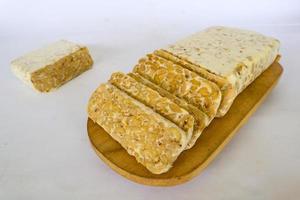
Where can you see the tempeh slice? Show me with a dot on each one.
(201, 119)
(154, 100)
(181, 82)
(153, 140)
(227, 89)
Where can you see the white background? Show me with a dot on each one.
(44, 149)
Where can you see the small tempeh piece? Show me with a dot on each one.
(154, 100)
(50, 67)
(201, 119)
(181, 82)
(230, 57)
(153, 140)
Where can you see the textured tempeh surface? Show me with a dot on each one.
(237, 55)
(154, 100)
(181, 82)
(201, 119)
(67, 68)
(153, 140)
(227, 89)
(52, 66)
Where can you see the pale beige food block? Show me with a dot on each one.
(154, 100)
(201, 119)
(152, 139)
(181, 82)
(50, 67)
(233, 55)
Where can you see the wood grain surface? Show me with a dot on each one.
(191, 162)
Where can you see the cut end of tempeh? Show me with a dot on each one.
(153, 140)
(227, 89)
(201, 119)
(154, 100)
(50, 67)
(181, 82)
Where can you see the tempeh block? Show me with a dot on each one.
(50, 67)
(230, 57)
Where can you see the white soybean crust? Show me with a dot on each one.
(222, 50)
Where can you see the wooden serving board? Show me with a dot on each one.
(191, 162)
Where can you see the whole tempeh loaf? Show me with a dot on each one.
(152, 139)
(172, 95)
(230, 57)
(48, 68)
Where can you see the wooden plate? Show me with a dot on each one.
(191, 162)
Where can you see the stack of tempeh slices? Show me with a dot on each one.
(172, 95)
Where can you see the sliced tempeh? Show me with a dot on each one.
(236, 57)
(154, 100)
(181, 82)
(201, 119)
(227, 89)
(152, 139)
